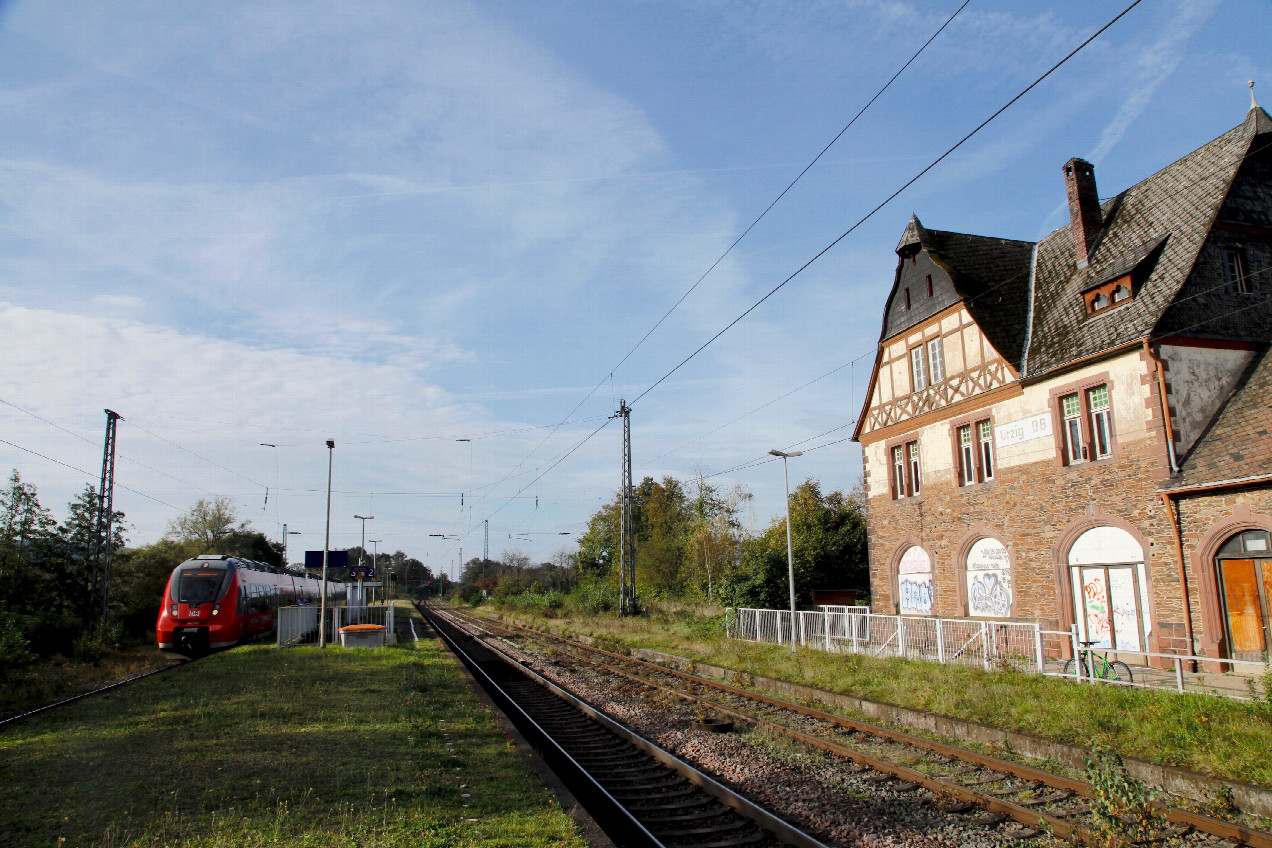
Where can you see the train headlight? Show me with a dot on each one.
(172, 610)
(216, 609)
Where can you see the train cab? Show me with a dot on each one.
(200, 611)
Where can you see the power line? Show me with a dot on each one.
(743, 235)
(792, 183)
(88, 474)
(199, 456)
(124, 456)
(889, 199)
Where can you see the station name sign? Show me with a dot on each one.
(1024, 430)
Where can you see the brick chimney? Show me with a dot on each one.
(1084, 208)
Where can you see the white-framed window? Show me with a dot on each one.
(966, 456)
(1101, 421)
(918, 368)
(936, 360)
(1236, 272)
(898, 472)
(1087, 423)
(905, 470)
(1071, 411)
(985, 436)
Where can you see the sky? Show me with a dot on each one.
(452, 237)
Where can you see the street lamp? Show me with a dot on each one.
(326, 549)
(790, 555)
(364, 519)
(445, 536)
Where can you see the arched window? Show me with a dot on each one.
(1245, 577)
(988, 579)
(1110, 590)
(1120, 294)
(914, 582)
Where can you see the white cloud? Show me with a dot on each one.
(1153, 66)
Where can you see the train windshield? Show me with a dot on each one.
(201, 585)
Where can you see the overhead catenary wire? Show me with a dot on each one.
(88, 474)
(888, 200)
(610, 374)
(199, 456)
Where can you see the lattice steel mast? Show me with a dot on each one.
(99, 593)
(627, 536)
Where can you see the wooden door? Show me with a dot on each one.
(1245, 612)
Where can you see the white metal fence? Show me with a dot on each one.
(856, 630)
(298, 625)
(1020, 645)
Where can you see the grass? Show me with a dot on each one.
(1216, 736)
(259, 746)
(61, 677)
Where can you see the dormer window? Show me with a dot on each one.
(1107, 295)
(929, 285)
(1236, 274)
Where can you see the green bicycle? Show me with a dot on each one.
(1099, 666)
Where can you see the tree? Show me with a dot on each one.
(660, 536)
(829, 546)
(208, 522)
(598, 547)
(714, 537)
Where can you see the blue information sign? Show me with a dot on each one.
(335, 559)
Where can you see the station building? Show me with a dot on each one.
(1076, 431)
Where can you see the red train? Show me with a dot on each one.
(217, 601)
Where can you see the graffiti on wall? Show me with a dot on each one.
(989, 594)
(916, 595)
(988, 579)
(1096, 602)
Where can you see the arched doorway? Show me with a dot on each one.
(1244, 567)
(1110, 589)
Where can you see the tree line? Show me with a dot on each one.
(46, 571)
(691, 546)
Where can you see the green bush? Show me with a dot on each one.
(15, 648)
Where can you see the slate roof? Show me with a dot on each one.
(1155, 228)
(1179, 202)
(1237, 443)
(991, 275)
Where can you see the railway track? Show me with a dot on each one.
(958, 779)
(640, 794)
(101, 690)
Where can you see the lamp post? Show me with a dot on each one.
(461, 555)
(364, 519)
(790, 555)
(326, 549)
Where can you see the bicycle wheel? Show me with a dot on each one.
(1118, 670)
(1070, 665)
